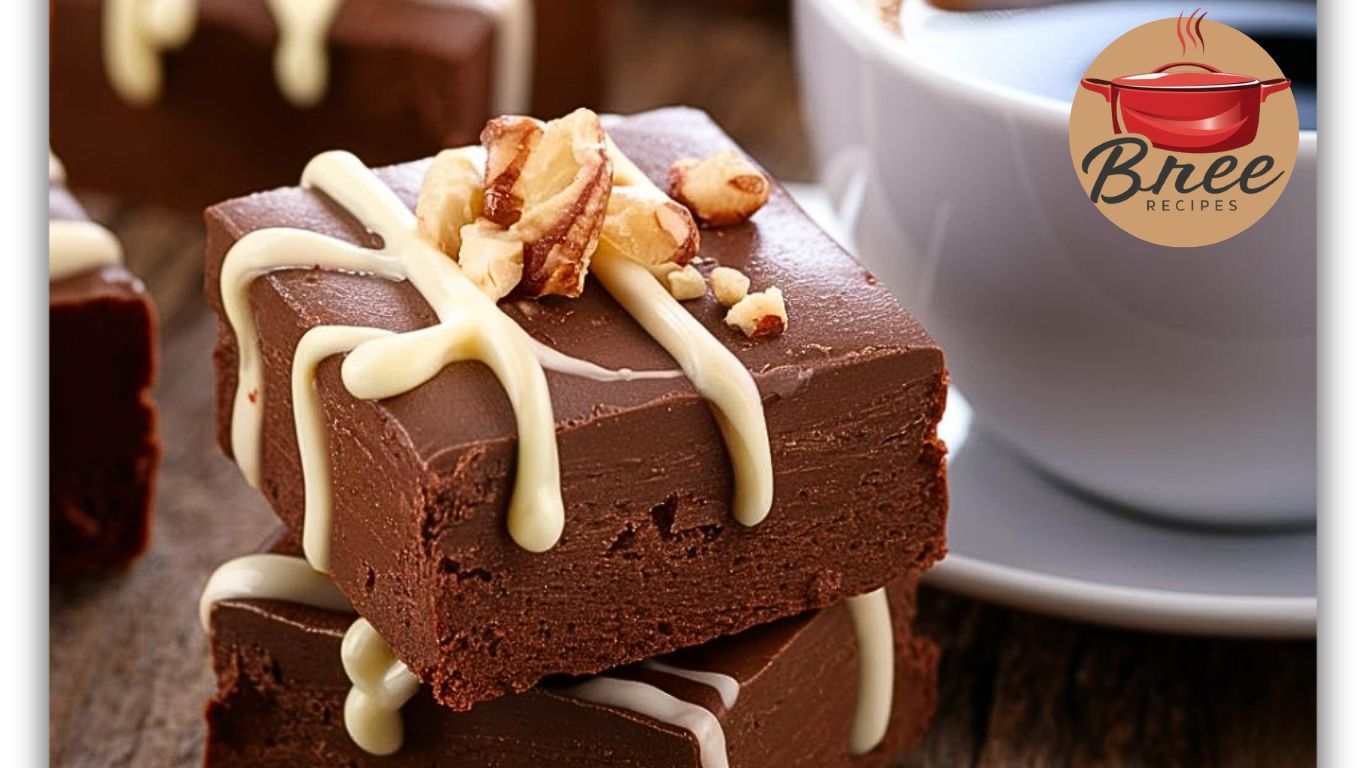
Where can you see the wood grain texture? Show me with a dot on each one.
(129, 664)
(1024, 690)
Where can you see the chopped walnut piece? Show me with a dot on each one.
(549, 186)
(452, 196)
(647, 227)
(729, 285)
(509, 140)
(759, 314)
(686, 283)
(722, 189)
(491, 258)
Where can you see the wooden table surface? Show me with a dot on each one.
(129, 664)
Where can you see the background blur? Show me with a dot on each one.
(128, 661)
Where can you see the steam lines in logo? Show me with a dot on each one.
(1192, 25)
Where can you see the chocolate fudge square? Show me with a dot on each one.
(789, 700)
(103, 447)
(650, 559)
(404, 78)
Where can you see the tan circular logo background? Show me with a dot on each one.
(1201, 216)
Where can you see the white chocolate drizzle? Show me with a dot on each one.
(658, 705)
(716, 373)
(471, 326)
(876, 670)
(301, 53)
(270, 577)
(138, 32)
(727, 687)
(75, 246)
(317, 345)
(380, 686)
(555, 360)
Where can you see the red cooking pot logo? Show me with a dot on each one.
(1190, 152)
(1206, 111)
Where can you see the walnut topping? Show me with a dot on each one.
(722, 189)
(729, 285)
(643, 224)
(686, 283)
(647, 227)
(491, 258)
(452, 196)
(509, 140)
(549, 186)
(759, 314)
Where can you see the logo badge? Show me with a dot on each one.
(1184, 132)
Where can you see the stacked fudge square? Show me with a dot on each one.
(590, 448)
(200, 100)
(102, 425)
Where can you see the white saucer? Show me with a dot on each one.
(1016, 537)
(1019, 538)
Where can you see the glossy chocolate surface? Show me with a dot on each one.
(651, 559)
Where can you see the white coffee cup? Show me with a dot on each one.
(1170, 380)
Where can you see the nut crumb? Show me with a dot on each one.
(759, 314)
(686, 283)
(729, 285)
(722, 189)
